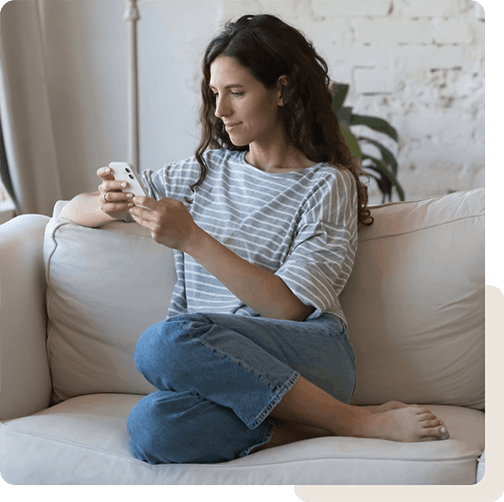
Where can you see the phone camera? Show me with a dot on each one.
(131, 176)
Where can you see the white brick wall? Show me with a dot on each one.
(424, 8)
(417, 63)
(353, 8)
(390, 32)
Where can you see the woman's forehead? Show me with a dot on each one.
(226, 71)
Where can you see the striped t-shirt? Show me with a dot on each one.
(301, 225)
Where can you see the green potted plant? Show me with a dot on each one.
(383, 169)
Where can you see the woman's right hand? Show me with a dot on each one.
(113, 201)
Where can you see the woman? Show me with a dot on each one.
(263, 222)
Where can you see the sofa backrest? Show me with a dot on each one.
(414, 303)
(105, 286)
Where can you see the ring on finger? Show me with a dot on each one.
(105, 197)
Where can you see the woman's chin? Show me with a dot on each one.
(237, 141)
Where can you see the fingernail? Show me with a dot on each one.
(124, 184)
(129, 195)
(130, 204)
(443, 430)
(107, 170)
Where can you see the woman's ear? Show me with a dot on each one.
(281, 85)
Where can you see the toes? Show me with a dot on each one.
(434, 433)
(423, 411)
(427, 416)
(429, 424)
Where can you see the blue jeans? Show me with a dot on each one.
(219, 377)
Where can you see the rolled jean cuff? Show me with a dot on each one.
(277, 397)
(267, 438)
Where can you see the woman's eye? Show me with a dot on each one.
(236, 94)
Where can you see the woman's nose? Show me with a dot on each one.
(221, 108)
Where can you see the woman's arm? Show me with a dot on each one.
(97, 208)
(85, 210)
(171, 224)
(259, 289)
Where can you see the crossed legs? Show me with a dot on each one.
(222, 380)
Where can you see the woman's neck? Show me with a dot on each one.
(277, 158)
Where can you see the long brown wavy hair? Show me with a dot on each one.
(270, 48)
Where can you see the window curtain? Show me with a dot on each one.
(4, 171)
(24, 109)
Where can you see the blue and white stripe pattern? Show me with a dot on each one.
(300, 225)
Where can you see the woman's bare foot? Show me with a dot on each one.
(407, 424)
(390, 405)
(308, 405)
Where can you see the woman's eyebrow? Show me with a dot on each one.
(227, 86)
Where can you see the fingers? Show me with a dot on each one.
(113, 185)
(115, 204)
(113, 201)
(141, 212)
(139, 215)
(105, 173)
(109, 183)
(108, 197)
(145, 202)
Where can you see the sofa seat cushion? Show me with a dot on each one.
(84, 441)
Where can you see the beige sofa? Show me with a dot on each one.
(75, 300)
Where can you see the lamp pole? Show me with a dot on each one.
(132, 15)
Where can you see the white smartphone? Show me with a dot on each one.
(124, 171)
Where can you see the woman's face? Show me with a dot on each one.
(250, 112)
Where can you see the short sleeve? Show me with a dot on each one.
(323, 250)
(173, 180)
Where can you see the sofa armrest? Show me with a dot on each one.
(480, 473)
(25, 382)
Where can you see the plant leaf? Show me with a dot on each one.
(340, 93)
(344, 116)
(387, 155)
(384, 169)
(374, 123)
(352, 143)
(383, 182)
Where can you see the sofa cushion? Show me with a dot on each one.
(85, 441)
(104, 288)
(415, 303)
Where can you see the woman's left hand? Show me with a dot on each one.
(169, 221)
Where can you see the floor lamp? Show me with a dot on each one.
(132, 16)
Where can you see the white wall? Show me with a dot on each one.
(418, 64)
